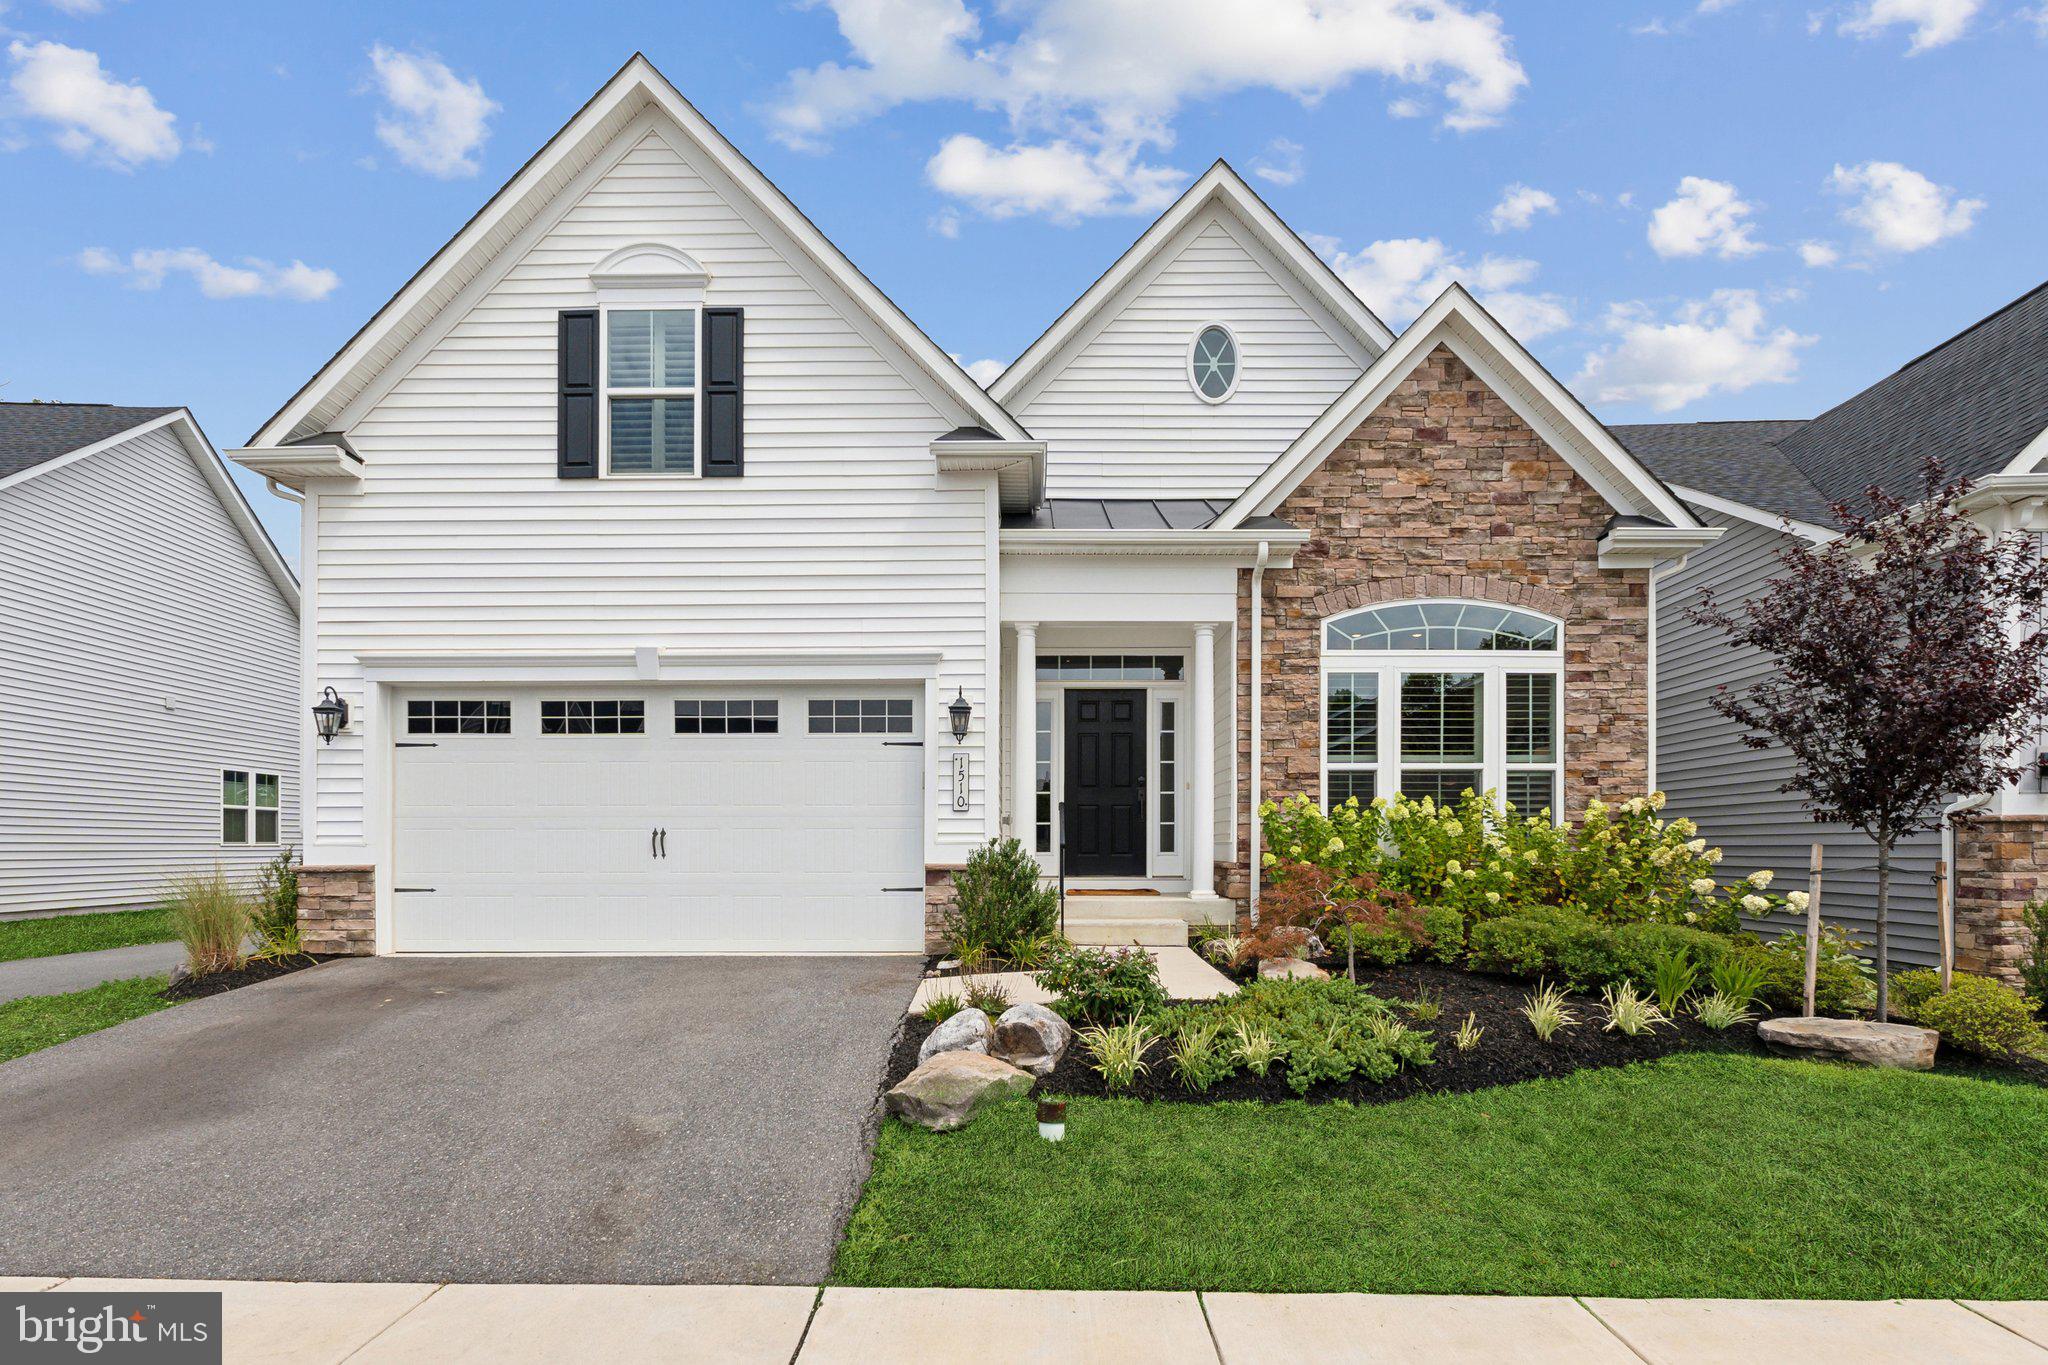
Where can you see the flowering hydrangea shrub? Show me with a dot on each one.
(1620, 864)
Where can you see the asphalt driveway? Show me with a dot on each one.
(622, 1120)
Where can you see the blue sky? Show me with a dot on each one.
(1690, 210)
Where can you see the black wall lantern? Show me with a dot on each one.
(330, 715)
(960, 709)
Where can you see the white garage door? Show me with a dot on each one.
(659, 820)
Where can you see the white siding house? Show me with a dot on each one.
(148, 653)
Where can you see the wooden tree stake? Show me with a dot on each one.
(1812, 928)
(1945, 916)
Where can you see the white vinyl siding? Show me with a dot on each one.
(143, 650)
(1117, 410)
(841, 537)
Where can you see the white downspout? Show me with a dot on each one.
(1258, 613)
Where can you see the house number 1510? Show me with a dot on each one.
(960, 781)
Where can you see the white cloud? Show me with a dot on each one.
(1819, 255)
(1401, 276)
(1407, 108)
(946, 223)
(1060, 180)
(79, 9)
(1706, 216)
(252, 278)
(436, 121)
(95, 115)
(1721, 344)
(1716, 6)
(1900, 210)
(2038, 18)
(1518, 207)
(1934, 22)
(985, 372)
(1085, 81)
(1283, 162)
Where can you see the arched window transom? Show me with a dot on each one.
(1437, 698)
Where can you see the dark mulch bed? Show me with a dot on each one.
(254, 970)
(1508, 1051)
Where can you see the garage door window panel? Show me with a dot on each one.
(446, 716)
(605, 717)
(730, 716)
(861, 716)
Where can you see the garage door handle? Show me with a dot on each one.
(664, 843)
(902, 888)
(654, 843)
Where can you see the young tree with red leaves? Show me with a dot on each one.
(1909, 654)
(1309, 900)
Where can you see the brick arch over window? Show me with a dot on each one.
(1422, 587)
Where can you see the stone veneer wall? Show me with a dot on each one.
(338, 910)
(938, 895)
(1444, 492)
(2001, 864)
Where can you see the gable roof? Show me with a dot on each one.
(636, 87)
(1219, 184)
(1979, 401)
(1456, 320)
(31, 433)
(40, 438)
(1738, 460)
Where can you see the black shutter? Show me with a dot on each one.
(576, 408)
(724, 348)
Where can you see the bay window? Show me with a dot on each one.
(1439, 698)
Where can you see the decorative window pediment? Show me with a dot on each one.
(650, 265)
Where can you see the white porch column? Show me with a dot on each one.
(1024, 738)
(1200, 823)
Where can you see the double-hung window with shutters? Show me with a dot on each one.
(1439, 698)
(650, 392)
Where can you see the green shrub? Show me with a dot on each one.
(1911, 990)
(277, 906)
(2034, 965)
(1101, 985)
(1117, 1054)
(1642, 946)
(1979, 1015)
(1738, 976)
(942, 1005)
(999, 905)
(1516, 946)
(1387, 947)
(1327, 1032)
(213, 920)
(1673, 980)
(1445, 929)
(1201, 1057)
(1842, 986)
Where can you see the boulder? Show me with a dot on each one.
(1290, 969)
(942, 1093)
(967, 1031)
(1031, 1037)
(1907, 1047)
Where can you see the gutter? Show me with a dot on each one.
(1246, 546)
(1253, 833)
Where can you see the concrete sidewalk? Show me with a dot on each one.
(67, 972)
(318, 1324)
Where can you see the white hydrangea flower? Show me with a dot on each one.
(1760, 878)
(1756, 905)
(1712, 855)
(1797, 899)
(1696, 847)
(1454, 867)
(1703, 886)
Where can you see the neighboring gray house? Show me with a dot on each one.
(1979, 401)
(149, 662)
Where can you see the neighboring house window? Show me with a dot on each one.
(1212, 363)
(738, 717)
(593, 718)
(860, 716)
(445, 717)
(651, 390)
(1437, 698)
(248, 806)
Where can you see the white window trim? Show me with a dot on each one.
(694, 392)
(252, 772)
(1493, 668)
(1236, 369)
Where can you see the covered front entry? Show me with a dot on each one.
(658, 819)
(1105, 787)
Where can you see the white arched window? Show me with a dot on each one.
(1433, 698)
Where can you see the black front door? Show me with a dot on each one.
(1106, 783)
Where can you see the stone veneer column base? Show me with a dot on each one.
(2001, 864)
(938, 895)
(338, 911)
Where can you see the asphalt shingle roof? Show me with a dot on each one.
(31, 433)
(1974, 401)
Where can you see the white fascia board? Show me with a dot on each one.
(1759, 516)
(1019, 467)
(639, 80)
(2031, 456)
(1240, 545)
(424, 667)
(211, 467)
(1457, 321)
(1640, 547)
(295, 466)
(1218, 183)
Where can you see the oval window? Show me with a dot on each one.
(1212, 364)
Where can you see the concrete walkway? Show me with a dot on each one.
(319, 1324)
(1181, 970)
(80, 971)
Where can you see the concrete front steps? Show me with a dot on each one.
(1123, 921)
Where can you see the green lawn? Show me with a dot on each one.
(57, 934)
(1703, 1175)
(41, 1021)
